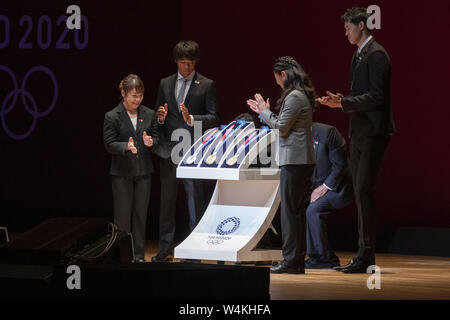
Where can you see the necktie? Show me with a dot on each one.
(180, 98)
(359, 56)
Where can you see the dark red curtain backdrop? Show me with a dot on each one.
(62, 167)
(240, 40)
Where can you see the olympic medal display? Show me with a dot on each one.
(210, 148)
(246, 196)
(247, 143)
(198, 150)
(211, 158)
(234, 146)
(202, 146)
(230, 132)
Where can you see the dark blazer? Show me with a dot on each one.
(294, 125)
(201, 101)
(117, 130)
(331, 164)
(369, 103)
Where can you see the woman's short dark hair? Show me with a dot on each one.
(131, 82)
(355, 15)
(296, 78)
(186, 49)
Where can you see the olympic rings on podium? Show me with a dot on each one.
(233, 220)
(214, 242)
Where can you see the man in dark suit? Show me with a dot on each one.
(332, 189)
(183, 98)
(371, 127)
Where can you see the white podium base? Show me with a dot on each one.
(239, 214)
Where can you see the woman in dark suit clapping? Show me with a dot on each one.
(296, 156)
(130, 131)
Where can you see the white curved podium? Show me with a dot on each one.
(246, 196)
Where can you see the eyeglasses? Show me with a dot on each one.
(137, 96)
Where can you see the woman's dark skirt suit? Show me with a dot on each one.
(131, 173)
(296, 161)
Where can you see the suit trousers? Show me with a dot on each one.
(366, 156)
(131, 196)
(295, 183)
(169, 192)
(316, 227)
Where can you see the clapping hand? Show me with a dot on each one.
(148, 141)
(131, 147)
(258, 105)
(185, 112)
(331, 100)
(162, 113)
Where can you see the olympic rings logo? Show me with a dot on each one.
(10, 100)
(214, 242)
(236, 225)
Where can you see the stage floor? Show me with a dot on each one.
(403, 277)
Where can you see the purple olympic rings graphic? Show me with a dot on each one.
(6, 108)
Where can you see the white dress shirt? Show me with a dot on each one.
(364, 43)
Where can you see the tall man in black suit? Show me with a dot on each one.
(183, 98)
(332, 189)
(371, 127)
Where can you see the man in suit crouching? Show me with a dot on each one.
(332, 189)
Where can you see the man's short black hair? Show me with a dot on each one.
(246, 117)
(355, 15)
(186, 49)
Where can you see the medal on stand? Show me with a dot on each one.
(211, 158)
(257, 133)
(190, 160)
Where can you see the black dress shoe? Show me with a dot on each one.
(352, 261)
(356, 265)
(160, 257)
(319, 263)
(139, 260)
(339, 268)
(283, 267)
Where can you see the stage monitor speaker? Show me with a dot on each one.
(62, 240)
(3, 235)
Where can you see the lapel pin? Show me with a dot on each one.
(140, 120)
(197, 82)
